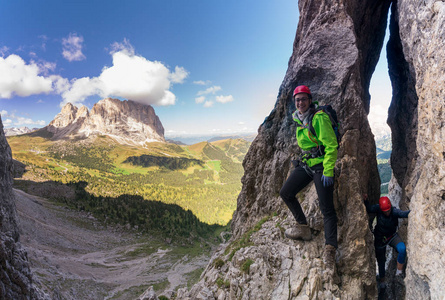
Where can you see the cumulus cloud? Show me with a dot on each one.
(21, 121)
(125, 47)
(202, 82)
(210, 90)
(377, 119)
(21, 79)
(18, 121)
(200, 99)
(224, 99)
(208, 104)
(3, 51)
(72, 47)
(179, 75)
(213, 90)
(45, 67)
(60, 84)
(131, 77)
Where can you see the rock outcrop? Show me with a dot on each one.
(127, 121)
(336, 48)
(335, 52)
(15, 277)
(417, 120)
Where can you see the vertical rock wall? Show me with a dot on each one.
(15, 273)
(336, 48)
(419, 156)
(335, 55)
(335, 52)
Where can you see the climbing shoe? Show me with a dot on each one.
(299, 232)
(329, 257)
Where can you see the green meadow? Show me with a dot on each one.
(204, 178)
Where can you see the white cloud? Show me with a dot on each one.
(131, 77)
(20, 121)
(125, 46)
(202, 82)
(40, 101)
(3, 51)
(21, 79)
(78, 89)
(72, 47)
(377, 119)
(60, 84)
(208, 104)
(200, 99)
(179, 75)
(44, 66)
(224, 99)
(44, 39)
(210, 90)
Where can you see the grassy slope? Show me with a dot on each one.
(208, 190)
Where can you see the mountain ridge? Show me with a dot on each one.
(18, 130)
(127, 121)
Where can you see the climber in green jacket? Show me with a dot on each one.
(316, 163)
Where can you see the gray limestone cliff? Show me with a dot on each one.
(418, 124)
(127, 121)
(15, 275)
(335, 52)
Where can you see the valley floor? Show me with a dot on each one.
(73, 256)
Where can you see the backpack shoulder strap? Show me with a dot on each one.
(311, 117)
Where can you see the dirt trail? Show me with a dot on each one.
(74, 257)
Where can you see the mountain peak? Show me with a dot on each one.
(127, 121)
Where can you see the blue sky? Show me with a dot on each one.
(207, 67)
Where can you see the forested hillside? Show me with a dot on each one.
(111, 179)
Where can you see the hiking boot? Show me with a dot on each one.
(329, 257)
(299, 232)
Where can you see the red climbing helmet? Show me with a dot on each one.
(302, 89)
(385, 203)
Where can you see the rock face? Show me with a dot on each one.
(127, 121)
(335, 52)
(15, 276)
(418, 128)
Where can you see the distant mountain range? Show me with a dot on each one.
(18, 131)
(190, 140)
(127, 122)
(384, 147)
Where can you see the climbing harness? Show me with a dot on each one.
(387, 240)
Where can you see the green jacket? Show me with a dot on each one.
(325, 136)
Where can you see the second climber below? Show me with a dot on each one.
(385, 233)
(316, 163)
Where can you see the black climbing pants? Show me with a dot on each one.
(300, 178)
(380, 252)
